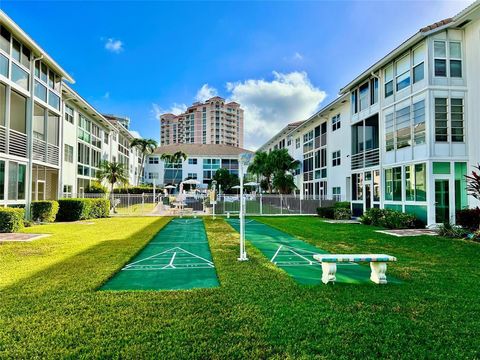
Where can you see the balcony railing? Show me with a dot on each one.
(45, 152)
(17, 144)
(3, 139)
(366, 159)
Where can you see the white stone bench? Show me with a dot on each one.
(378, 264)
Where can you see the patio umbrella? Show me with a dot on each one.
(170, 187)
(191, 182)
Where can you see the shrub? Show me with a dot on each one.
(11, 220)
(390, 219)
(468, 218)
(96, 188)
(44, 211)
(74, 209)
(326, 212)
(342, 213)
(100, 208)
(452, 231)
(135, 190)
(342, 205)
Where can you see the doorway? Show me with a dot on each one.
(442, 201)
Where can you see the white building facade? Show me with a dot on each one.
(403, 134)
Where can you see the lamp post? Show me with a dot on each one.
(214, 185)
(244, 160)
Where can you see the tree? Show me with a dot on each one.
(225, 179)
(114, 173)
(262, 167)
(473, 183)
(283, 183)
(146, 147)
(175, 159)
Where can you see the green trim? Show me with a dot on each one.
(393, 207)
(461, 199)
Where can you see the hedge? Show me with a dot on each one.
(82, 209)
(135, 190)
(326, 212)
(11, 219)
(44, 211)
(468, 218)
(390, 219)
(100, 208)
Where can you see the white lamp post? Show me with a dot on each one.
(214, 185)
(244, 160)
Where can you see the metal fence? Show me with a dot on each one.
(200, 204)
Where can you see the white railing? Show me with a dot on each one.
(366, 159)
(17, 143)
(39, 150)
(53, 156)
(3, 139)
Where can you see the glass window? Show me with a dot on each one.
(39, 122)
(43, 73)
(18, 112)
(397, 184)
(420, 182)
(363, 98)
(389, 130)
(69, 113)
(354, 102)
(419, 122)
(456, 68)
(441, 122)
(20, 76)
(403, 127)
(403, 73)
(68, 153)
(336, 158)
(389, 81)
(418, 63)
(51, 79)
(2, 180)
(373, 91)
(357, 188)
(456, 114)
(439, 49)
(25, 57)
(336, 122)
(3, 66)
(455, 50)
(16, 50)
(53, 124)
(3, 103)
(40, 91)
(53, 100)
(5, 39)
(409, 183)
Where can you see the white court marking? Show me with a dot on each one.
(288, 251)
(168, 260)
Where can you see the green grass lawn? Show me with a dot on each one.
(50, 308)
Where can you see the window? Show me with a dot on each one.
(69, 114)
(153, 160)
(3, 103)
(297, 143)
(53, 128)
(192, 176)
(389, 81)
(456, 115)
(105, 137)
(5, 39)
(441, 121)
(336, 158)
(16, 50)
(39, 122)
(40, 91)
(418, 63)
(153, 175)
(419, 122)
(415, 184)
(373, 91)
(53, 100)
(18, 112)
(16, 181)
(336, 122)
(389, 130)
(2, 180)
(192, 161)
(393, 184)
(455, 59)
(337, 193)
(67, 190)
(440, 61)
(363, 98)
(3, 65)
(20, 76)
(354, 101)
(403, 133)
(357, 186)
(68, 153)
(403, 73)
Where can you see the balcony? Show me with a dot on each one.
(366, 159)
(17, 144)
(45, 152)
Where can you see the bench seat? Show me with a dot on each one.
(378, 265)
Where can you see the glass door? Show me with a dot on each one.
(40, 190)
(442, 201)
(368, 190)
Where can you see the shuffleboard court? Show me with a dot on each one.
(295, 256)
(177, 258)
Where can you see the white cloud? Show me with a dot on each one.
(270, 105)
(205, 92)
(106, 96)
(135, 134)
(175, 109)
(297, 56)
(114, 45)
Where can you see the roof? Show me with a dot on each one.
(457, 20)
(202, 149)
(22, 36)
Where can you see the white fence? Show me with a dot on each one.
(200, 204)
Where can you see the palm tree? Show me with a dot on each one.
(114, 173)
(261, 166)
(175, 159)
(146, 147)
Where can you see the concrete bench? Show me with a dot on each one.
(378, 265)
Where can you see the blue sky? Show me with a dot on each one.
(281, 60)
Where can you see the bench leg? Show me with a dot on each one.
(328, 272)
(378, 272)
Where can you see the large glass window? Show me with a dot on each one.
(20, 76)
(373, 91)
(403, 132)
(40, 91)
(441, 121)
(357, 186)
(53, 124)
(419, 122)
(16, 181)
(39, 122)
(68, 153)
(403, 73)
(389, 81)
(389, 131)
(5, 39)
(455, 59)
(440, 61)
(336, 122)
(3, 66)
(420, 182)
(393, 184)
(456, 114)
(354, 101)
(3, 103)
(53, 100)
(363, 98)
(16, 50)
(418, 63)
(18, 112)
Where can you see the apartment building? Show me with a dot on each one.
(51, 140)
(403, 133)
(203, 160)
(211, 122)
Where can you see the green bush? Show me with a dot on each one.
(100, 208)
(96, 188)
(468, 218)
(44, 211)
(342, 205)
(74, 209)
(342, 213)
(135, 190)
(11, 220)
(452, 231)
(326, 212)
(389, 219)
